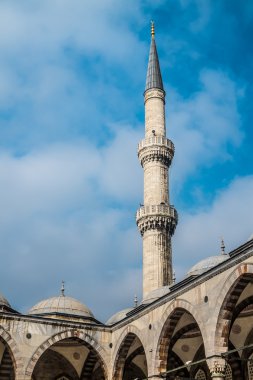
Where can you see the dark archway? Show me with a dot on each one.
(131, 360)
(234, 326)
(71, 358)
(7, 370)
(180, 342)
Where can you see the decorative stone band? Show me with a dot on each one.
(156, 148)
(157, 217)
(154, 93)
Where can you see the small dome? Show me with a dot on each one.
(155, 294)
(61, 305)
(206, 264)
(118, 316)
(3, 301)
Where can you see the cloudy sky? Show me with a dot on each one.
(72, 75)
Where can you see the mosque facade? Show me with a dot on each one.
(198, 328)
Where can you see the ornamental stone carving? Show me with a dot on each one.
(157, 217)
(217, 367)
(156, 149)
(154, 93)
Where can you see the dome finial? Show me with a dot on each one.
(152, 29)
(222, 246)
(63, 288)
(135, 301)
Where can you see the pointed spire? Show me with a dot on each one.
(154, 77)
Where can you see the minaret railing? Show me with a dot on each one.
(156, 140)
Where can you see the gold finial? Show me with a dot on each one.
(63, 288)
(152, 29)
(222, 246)
(174, 278)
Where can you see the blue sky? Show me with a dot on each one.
(72, 75)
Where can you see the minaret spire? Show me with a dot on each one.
(154, 77)
(156, 218)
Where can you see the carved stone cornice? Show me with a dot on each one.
(217, 367)
(156, 148)
(157, 217)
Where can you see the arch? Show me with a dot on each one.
(14, 351)
(87, 339)
(89, 366)
(126, 339)
(227, 299)
(242, 305)
(201, 366)
(55, 365)
(127, 330)
(168, 322)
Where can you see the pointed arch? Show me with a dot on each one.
(126, 340)
(80, 335)
(168, 323)
(14, 352)
(227, 299)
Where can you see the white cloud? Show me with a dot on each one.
(198, 235)
(122, 178)
(59, 204)
(47, 25)
(55, 60)
(205, 126)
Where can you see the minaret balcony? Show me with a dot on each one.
(156, 148)
(157, 217)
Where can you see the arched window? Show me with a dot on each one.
(200, 375)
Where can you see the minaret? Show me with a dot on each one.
(156, 219)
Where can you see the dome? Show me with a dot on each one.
(61, 305)
(155, 294)
(206, 264)
(3, 301)
(118, 316)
